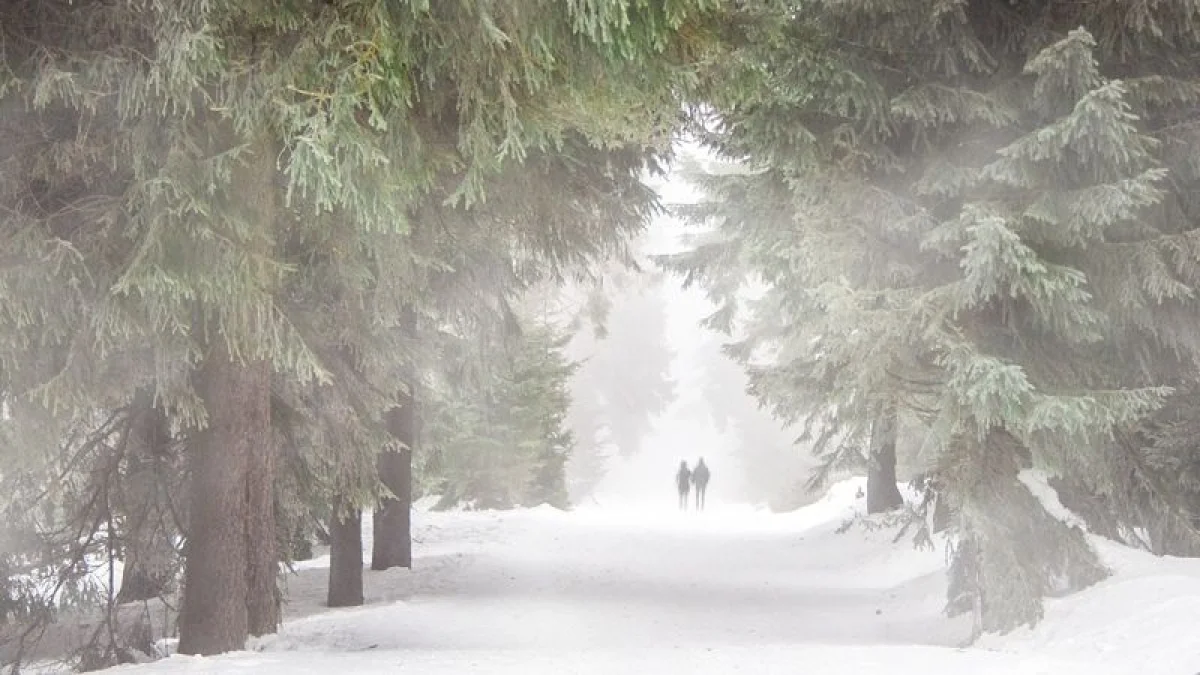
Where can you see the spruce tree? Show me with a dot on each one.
(179, 178)
(499, 438)
(628, 370)
(975, 212)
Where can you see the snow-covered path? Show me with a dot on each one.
(647, 590)
(550, 580)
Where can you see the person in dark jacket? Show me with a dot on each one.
(700, 477)
(683, 482)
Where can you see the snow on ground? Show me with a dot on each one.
(733, 589)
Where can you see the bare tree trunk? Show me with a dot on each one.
(392, 543)
(882, 493)
(262, 561)
(345, 559)
(214, 617)
(149, 551)
(232, 553)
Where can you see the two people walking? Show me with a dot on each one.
(685, 478)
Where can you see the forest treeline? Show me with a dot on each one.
(269, 266)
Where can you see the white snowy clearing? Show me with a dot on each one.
(729, 590)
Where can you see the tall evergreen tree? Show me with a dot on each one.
(978, 212)
(499, 438)
(628, 371)
(179, 177)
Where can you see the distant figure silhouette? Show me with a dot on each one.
(683, 481)
(700, 478)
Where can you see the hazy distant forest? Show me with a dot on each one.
(268, 267)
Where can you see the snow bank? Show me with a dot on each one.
(1038, 483)
(1140, 620)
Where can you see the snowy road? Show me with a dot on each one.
(652, 590)
(566, 581)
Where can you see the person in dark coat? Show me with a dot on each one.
(683, 482)
(700, 477)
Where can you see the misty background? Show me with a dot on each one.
(654, 388)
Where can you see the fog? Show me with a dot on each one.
(686, 431)
(751, 455)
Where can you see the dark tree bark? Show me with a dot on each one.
(882, 493)
(345, 559)
(149, 552)
(392, 543)
(214, 617)
(262, 561)
(141, 580)
(232, 548)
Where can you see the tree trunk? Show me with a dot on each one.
(147, 538)
(215, 617)
(882, 493)
(232, 548)
(262, 552)
(345, 559)
(392, 542)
